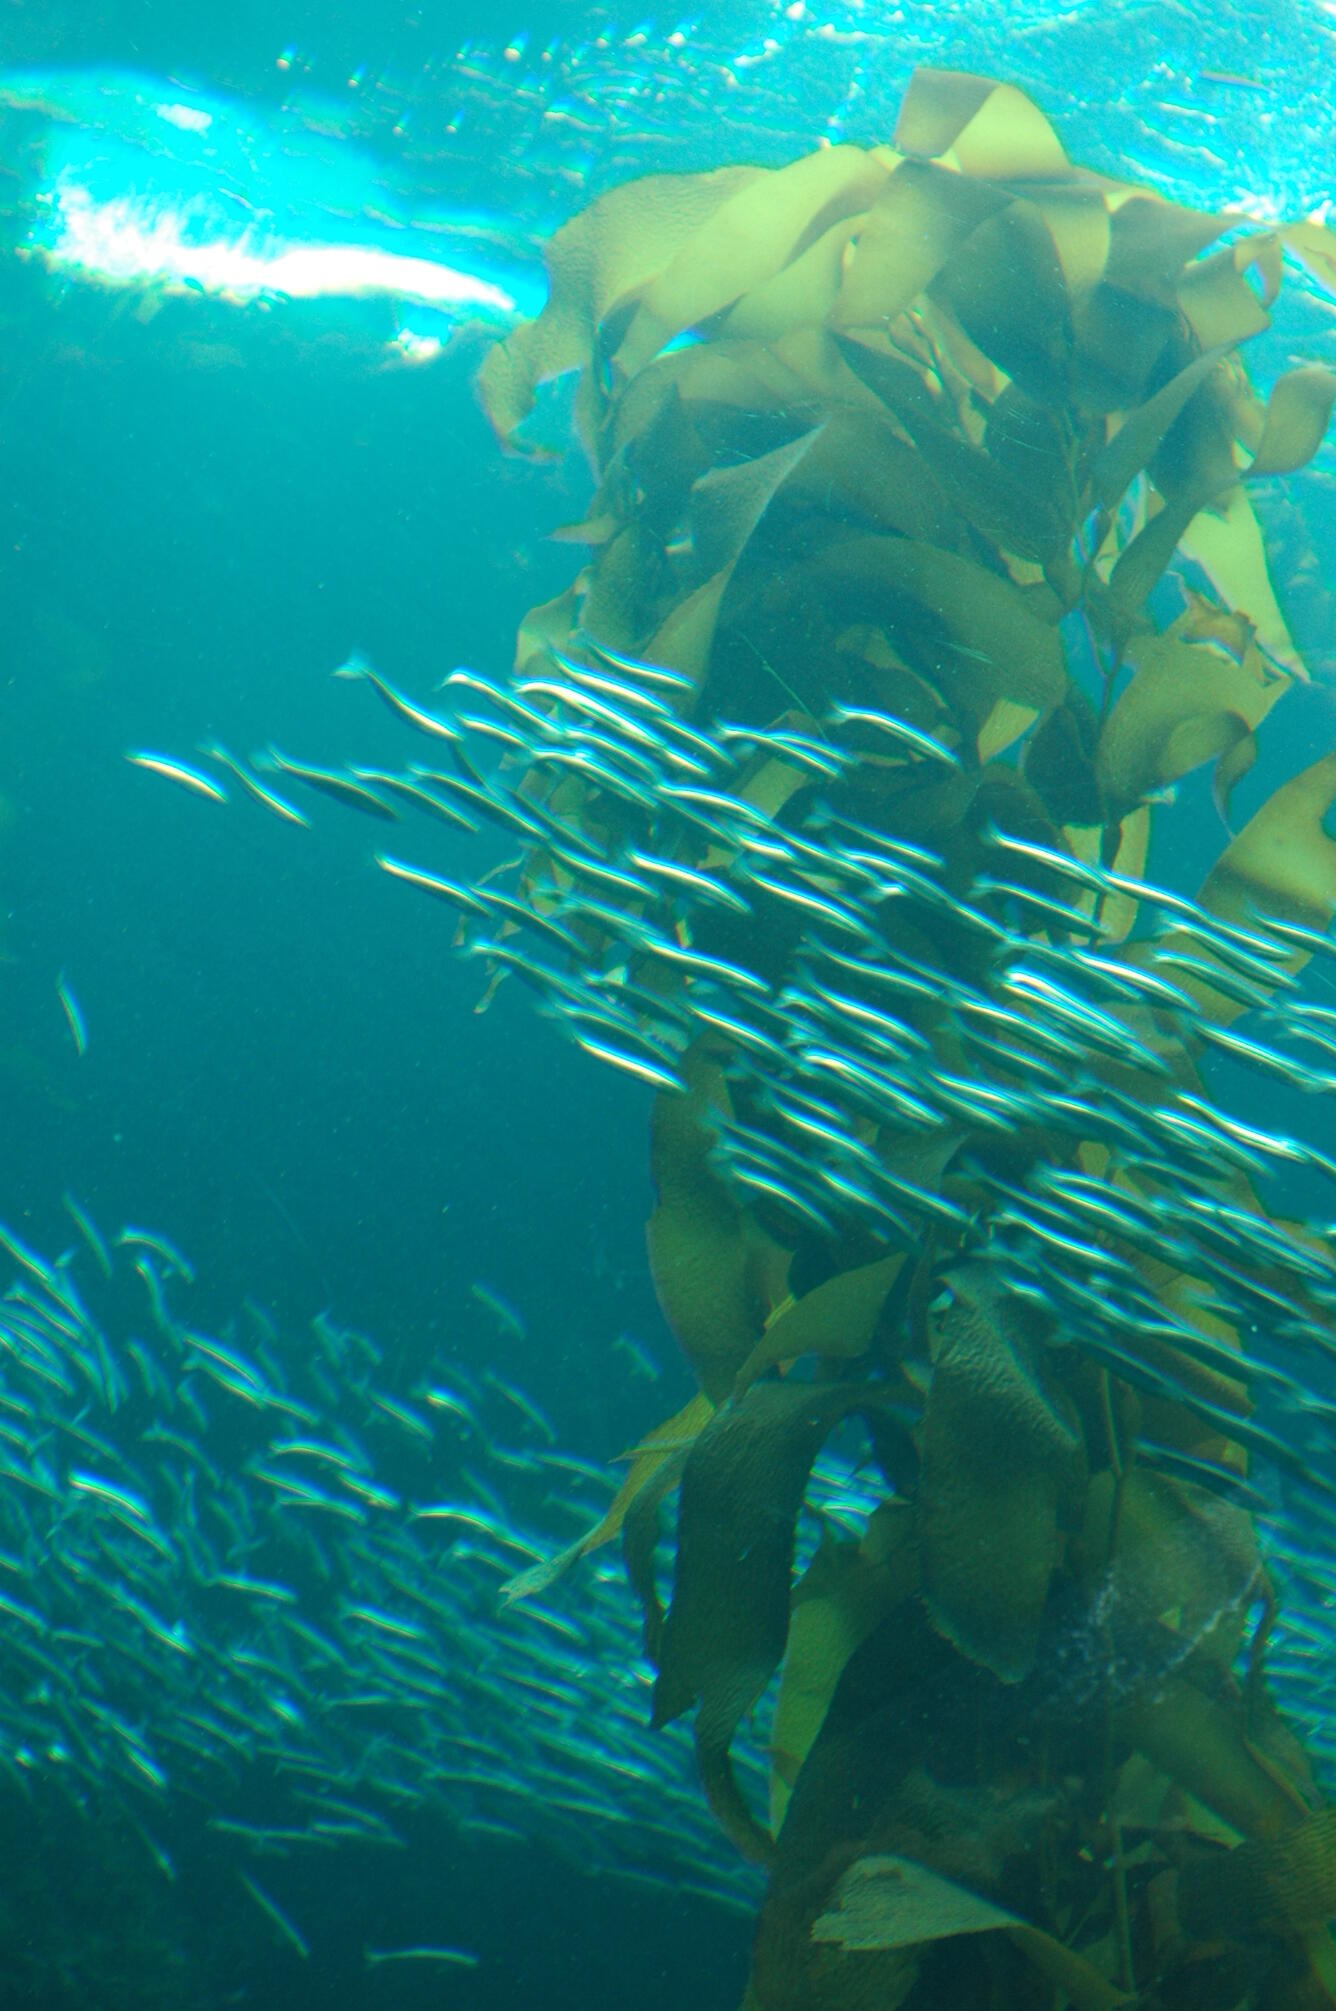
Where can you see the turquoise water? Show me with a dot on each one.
(249, 271)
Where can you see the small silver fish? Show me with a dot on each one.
(181, 772)
(332, 782)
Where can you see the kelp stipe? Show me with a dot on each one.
(899, 457)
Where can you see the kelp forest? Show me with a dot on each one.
(923, 563)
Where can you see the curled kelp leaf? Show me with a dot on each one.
(1004, 504)
(1001, 1452)
(1010, 297)
(762, 226)
(891, 1902)
(984, 128)
(728, 504)
(919, 219)
(861, 469)
(1137, 438)
(801, 295)
(1124, 327)
(742, 1487)
(726, 507)
(1217, 301)
(1059, 762)
(1296, 420)
(1314, 245)
(1187, 703)
(603, 255)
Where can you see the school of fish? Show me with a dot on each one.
(232, 1578)
(1066, 1037)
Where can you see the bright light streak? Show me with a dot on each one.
(128, 240)
(186, 118)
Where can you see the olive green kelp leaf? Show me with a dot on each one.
(1169, 1553)
(837, 1319)
(649, 1462)
(1216, 300)
(1002, 1457)
(742, 1487)
(716, 1273)
(729, 503)
(1012, 512)
(1009, 293)
(801, 295)
(640, 1540)
(1201, 1741)
(892, 1902)
(861, 471)
(846, 1591)
(1122, 331)
(1267, 1885)
(1058, 763)
(1141, 565)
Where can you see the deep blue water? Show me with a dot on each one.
(284, 1070)
(202, 513)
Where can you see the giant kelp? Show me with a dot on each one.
(923, 489)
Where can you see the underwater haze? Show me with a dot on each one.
(328, 1321)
